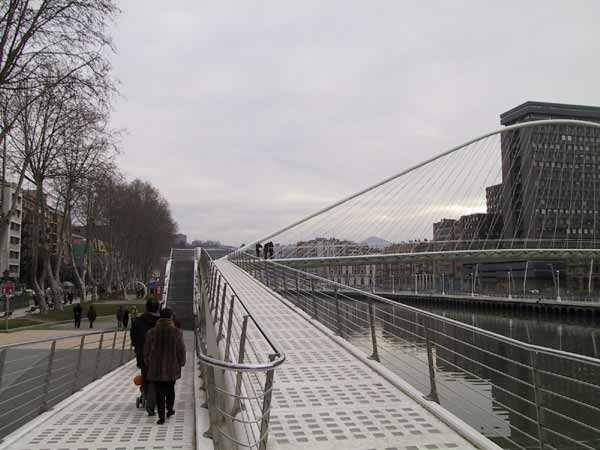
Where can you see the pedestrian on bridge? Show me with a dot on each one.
(139, 327)
(125, 317)
(164, 355)
(258, 247)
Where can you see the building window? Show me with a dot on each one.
(14, 240)
(14, 255)
(13, 268)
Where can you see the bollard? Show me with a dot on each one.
(375, 354)
(44, 403)
(433, 394)
(238, 382)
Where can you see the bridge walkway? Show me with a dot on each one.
(325, 397)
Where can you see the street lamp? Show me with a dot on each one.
(558, 286)
(509, 289)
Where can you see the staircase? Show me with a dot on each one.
(181, 286)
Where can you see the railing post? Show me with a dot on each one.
(221, 319)
(537, 396)
(78, 367)
(2, 363)
(215, 298)
(266, 407)
(284, 284)
(297, 290)
(223, 297)
(238, 382)
(97, 365)
(112, 352)
(44, 403)
(212, 432)
(123, 347)
(337, 312)
(314, 298)
(229, 327)
(375, 354)
(433, 394)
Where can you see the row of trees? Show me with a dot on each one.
(56, 88)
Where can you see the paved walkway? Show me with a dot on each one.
(324, 397)
(104, 417)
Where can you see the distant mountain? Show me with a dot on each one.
(376, 242)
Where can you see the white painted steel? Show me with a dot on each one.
(415, 167)
(325, 397)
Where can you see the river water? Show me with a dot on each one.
(486, 383)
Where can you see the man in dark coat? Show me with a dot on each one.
(91, 315)
(77, 313)
(125, 318)
(139, 328)
(164, 356)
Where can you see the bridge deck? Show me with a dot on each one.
(326, 398)
(104, 417)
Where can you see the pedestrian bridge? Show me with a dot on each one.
(282, 359)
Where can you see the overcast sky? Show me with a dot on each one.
(248, 115)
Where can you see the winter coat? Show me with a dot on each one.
(91, 314)
(164, 352)
(125, 317)
(77, 311)
(139, 328)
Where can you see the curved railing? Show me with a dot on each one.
(36, 375)
(524, 396)
(229, 339)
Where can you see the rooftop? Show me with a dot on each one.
(552, 110)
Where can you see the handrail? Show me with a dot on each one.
(60, 338)
(465, 326)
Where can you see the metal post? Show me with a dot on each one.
(337, 312)
(266, 407)
(284, 283)
(229, 327)
(223, 298)
(112, 352)
(558, 299)
(238, 382)
(416, 288)
(537, 394)
(2, 363)
(44, 403)
(590, 278)
(97, 365)
(433, 395)
(297, 290)
(78, 367)
(212, 432)
(215, 301)
(314, 298)
(375, 354)
(443, 286)
(509, 289)
(525, 278)
(472, 284)
(123, 347)
(221, 320)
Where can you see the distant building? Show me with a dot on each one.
(563, 161)
(10, 256)
(493, 199)
(444, 230)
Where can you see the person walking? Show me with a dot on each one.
(139, 327)
(120, 317)
(125, 317)
(91, 315)
(77, 313)
(258, 246)
(164, 355)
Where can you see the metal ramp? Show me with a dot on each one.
(181, 286)
(325, 396)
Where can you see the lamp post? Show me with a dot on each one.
(509, 289)
(558, 286)
(472, 284)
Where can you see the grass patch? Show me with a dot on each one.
(102, 309)
(17, 323)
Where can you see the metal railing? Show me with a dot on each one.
(237, 361)
(520, 395)
(36, 375)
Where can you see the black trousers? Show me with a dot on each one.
(165, 396)
(77, 322)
